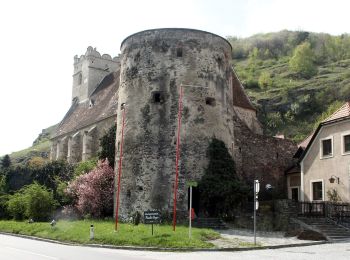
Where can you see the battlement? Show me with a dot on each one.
(89, 70)
(92, 52)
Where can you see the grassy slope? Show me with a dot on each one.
(78, 231)
(40, 148)
(331, 83)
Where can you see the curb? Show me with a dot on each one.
(165, 249)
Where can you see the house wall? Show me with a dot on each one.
(293, 181)
(316, 168)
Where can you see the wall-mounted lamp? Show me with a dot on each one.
(334, 178)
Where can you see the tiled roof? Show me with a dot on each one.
(306, 141)
(240, 99)
(343, 111)
(101, 104)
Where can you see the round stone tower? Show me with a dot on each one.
(154, 63)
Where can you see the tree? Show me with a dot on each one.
(220, 189)
(107, 143)
(6, 161)
(92, 192)
(302, 61)
(265, 80)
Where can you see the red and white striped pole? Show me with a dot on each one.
(177, 156)
(120, 168)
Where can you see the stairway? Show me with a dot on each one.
(213, 223)
(328, 228)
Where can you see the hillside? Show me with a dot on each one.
(291, 101)
(40, 148)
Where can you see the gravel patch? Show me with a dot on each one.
(233, 238)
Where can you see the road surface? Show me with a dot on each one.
(15, 248)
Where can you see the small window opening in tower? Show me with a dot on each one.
(179, 52)
(91, 103)
(80, 79)
(128, 193)
(210, 101)
(157, 97)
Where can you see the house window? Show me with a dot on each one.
(326, 147)
(317, 190)
(346, 142)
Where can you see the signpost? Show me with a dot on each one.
(256, 204)
(152, 217)
(190, 184)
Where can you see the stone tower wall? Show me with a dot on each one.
(89, 70)
(154, 63)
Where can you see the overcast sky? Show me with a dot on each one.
(39, 39)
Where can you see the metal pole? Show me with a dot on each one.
(177, 156)
(190, 216)
(120, 169)
(254, 213)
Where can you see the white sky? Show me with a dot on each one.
(40, 37)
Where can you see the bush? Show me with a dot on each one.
(16, 206)
(33, 201)
(92, 193)
(84, 167)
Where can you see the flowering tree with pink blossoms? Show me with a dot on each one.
(92, 192)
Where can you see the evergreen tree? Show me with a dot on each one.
(220, 189)
(107, 143)
(6, 161)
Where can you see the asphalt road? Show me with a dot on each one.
(14, 248)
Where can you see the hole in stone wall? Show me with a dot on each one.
(139, 188)
(157, 97)
(210, 101)
(179, 52)
(240, 149)
(276, 155)
(128, 193)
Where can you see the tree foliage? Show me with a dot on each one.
(92, 192)
(6, 161)
(107, 144)
(303, 61)
(220, 189)
(33, 201)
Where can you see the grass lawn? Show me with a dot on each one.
(128, 234)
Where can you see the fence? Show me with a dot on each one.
(339, 212)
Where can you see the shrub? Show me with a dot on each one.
(39, 202)
(33, 201)
(16, 206)
(92, 193)
(84, 167)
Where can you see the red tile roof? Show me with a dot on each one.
(343, 111)
(341, 114)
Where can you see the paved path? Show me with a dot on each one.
(14, 248)
(232, 238)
